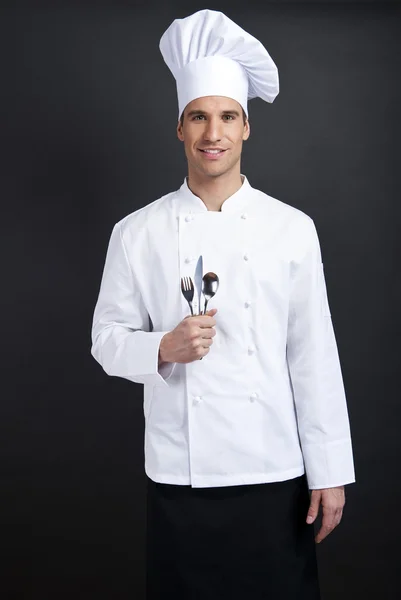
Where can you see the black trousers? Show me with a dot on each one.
(248, 542)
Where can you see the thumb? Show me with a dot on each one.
(314, 506)
(211, 312)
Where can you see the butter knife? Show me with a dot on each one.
(198, 286)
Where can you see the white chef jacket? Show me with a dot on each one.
(267, 403)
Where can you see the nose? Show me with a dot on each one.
(213, 131)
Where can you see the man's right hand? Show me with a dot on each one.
(190, 340)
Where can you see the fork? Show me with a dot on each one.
(187, 288)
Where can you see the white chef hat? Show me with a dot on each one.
(210, 55)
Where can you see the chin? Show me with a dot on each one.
(218, 170)
(213, 172)
(217, 174)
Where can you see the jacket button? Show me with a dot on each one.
(251, 350)
(189, 259)
(253, 396)
(247, 304)
(188, 218)
(197, 399)
(244, 216)
(246, 256)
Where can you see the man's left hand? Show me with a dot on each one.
(332, 500)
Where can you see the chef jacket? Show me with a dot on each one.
(267, 403)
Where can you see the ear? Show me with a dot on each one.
(247, 130)
(180, 134)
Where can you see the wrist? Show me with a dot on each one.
(162, 351)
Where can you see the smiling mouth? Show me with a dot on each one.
(212, 153)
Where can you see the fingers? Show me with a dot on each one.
(333, 501)
(314, 506)
(204, 347)
(329, 523)
(202, 321)
(206, 321)
(201, 352)
(208, 333)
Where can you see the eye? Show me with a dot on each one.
(198, 117)
(229, 117)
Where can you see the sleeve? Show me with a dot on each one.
(316, 377)
(122, 342)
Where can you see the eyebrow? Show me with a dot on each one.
(193, 113)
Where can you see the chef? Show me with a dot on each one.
(243, 446)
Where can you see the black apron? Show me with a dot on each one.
(248, 542)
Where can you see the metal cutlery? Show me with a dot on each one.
(206, 285)
(187, 288)
(198, 285)
(210, 287)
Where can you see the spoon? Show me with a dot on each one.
(209, 287)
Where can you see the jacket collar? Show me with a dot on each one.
(188, 202)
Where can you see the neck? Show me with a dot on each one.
(214, 191)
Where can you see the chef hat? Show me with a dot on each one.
(210, 55)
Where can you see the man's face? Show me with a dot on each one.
(213, 123)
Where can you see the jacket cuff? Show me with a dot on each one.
(147, 363)
(329, 465)
(166, 370)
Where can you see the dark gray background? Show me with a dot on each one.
(90, 137)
